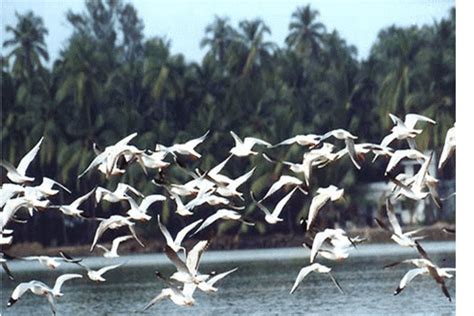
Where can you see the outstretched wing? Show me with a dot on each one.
(279, 207)
(317, 203)
(107, 268)
(183, 232)
(26, 160)
(411, 120)
(410, 275)
(194, 255)
(301, 275)
(63, 278)
(81, 199)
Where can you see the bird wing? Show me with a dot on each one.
(393, 218)
(26, 160)
(165, 232)
(19, 290)
(284, 180)
(394, 160)
(118, 240)
(288, 141)
(63, 278)
(217, 169)
(95, 162)
(188, 289)
(281, 204)
(301, 275)
(317, 202)
(7, 271)
(149, 200)
(240, 180)
(410, 275)
(318, 240)
(252, 141)
(448, 147)
(236, 138)
(48, 183)
(194, 142)
(219, 276)
(260, 205)
(163, 294)
(194, 256)
(336, 283)
(123, 188)
(103, 226)
(173, 256)
(412, 119)
(51, 302)
(183, 232)
(107, 268)
(81, 199)
(396, 120)
(99, 192)
(125, 140)
(421, 175)
(388, 139)
(10, 168)
(352, 152)
(134, 234)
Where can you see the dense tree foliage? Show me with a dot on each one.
(110, 81)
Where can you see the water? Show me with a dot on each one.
(260, 286)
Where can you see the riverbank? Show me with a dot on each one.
(373, 235)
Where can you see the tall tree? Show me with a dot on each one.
(306, 34)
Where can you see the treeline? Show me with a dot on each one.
(110, 81)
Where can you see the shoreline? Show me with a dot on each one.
(241, 242)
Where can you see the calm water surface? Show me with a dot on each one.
(260, 286)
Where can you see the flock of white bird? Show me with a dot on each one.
(216, 189)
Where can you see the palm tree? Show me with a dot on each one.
(219, 37)
(28, 45)
(306, 34)
(81, 84)
(397, 50)
(258, 51)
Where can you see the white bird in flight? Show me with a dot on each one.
(244, 148)
(50, 262)
(73, 208)
(120, 193)
(424, 267)
(138, 212)
(96, 275)
(185, 148)
(179, 297)
(175, 243)
(113, 252)
(114, 222)
(321, 237)
(403, 239)
(273, 217)
(315, 267)
(18, 174)
(308, 140)
(41, 289)
(449, 146)
(225, 214)
(405, 129)
(349, 141)
(323, 195)
(284, 181)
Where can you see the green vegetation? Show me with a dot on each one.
(110, 81)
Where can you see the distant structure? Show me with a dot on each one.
(409, 211)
